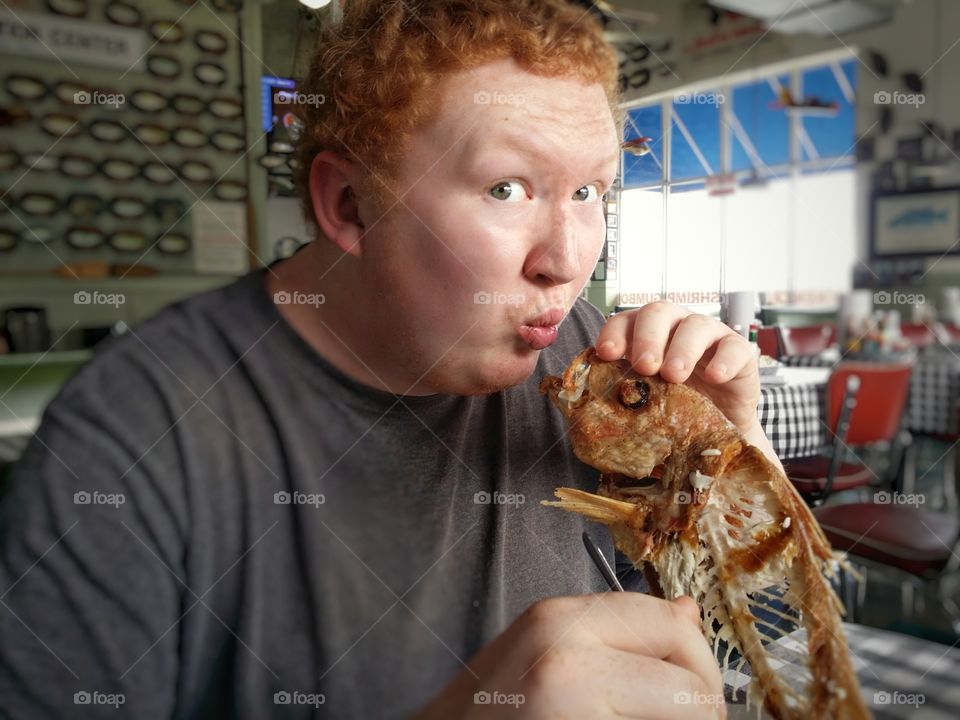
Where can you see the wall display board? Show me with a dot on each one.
(122, 119)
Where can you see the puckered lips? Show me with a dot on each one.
(541, 331)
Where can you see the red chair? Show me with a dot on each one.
(808, 340)
(768, 339)
(892, 534)
(865, 403)
(901, 544)
(918, 334)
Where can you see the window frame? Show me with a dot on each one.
(797, 132)
(795, 167)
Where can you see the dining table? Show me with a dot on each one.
(792, 410)
(933, 407)
(901, 676)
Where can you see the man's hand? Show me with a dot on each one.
(685, 347)
(622, 655)
(703, 352)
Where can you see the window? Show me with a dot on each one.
(646, 169)
(828, 135)
(695, 136)
(755, 257)
(786, 143)
(759, 136)
(645, 253)
(694, 250)
(825, 226)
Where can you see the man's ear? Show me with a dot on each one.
(332, 181)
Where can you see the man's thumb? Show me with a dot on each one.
(690, 607)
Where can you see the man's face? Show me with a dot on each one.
(499, 226)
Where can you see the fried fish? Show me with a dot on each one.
(687, 497)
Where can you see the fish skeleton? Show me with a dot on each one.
(683, 493)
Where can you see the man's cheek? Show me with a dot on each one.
(491, 257)
(595, 237)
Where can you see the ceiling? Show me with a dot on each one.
(818, 17)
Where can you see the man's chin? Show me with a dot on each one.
(486, 376)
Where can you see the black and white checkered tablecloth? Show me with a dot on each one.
(792, 416)
(901, 676)
(807, 361)
(934, 405)
(935, 395)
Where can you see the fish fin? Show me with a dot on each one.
(753, 458)
(596, 507)
(833, 685)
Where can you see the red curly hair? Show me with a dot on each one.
(378, 70)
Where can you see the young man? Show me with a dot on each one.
(328, 504)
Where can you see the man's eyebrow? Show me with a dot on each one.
(525, 147)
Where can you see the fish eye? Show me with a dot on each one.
(634, 393)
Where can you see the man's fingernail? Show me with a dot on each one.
(606, 347)
(676, 364)
(647, 357)
(721, 369)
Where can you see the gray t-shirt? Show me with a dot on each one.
(212, 521)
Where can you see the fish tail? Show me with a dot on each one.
(836, 685)
(596, 507)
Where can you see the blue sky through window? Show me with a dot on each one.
(759, 132)
(700, 116)
(830, 136)
(756, 124)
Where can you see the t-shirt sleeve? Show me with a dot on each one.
(90, 555)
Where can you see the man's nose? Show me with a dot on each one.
(555, 257)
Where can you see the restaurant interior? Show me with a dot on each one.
(790, 167)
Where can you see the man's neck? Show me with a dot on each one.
(335, 328)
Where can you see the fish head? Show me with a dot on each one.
(628, 424)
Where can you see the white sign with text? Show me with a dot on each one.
(69, 40)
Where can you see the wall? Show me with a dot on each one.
(923, 39)
(26, 273)
(118, 81)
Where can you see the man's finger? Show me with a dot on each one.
(612, 341)
(681, 694)
(648, 626)
(733, 358)
(693, 337)
(652, 329)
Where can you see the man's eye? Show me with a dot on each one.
(588, 193)
(509, 190)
